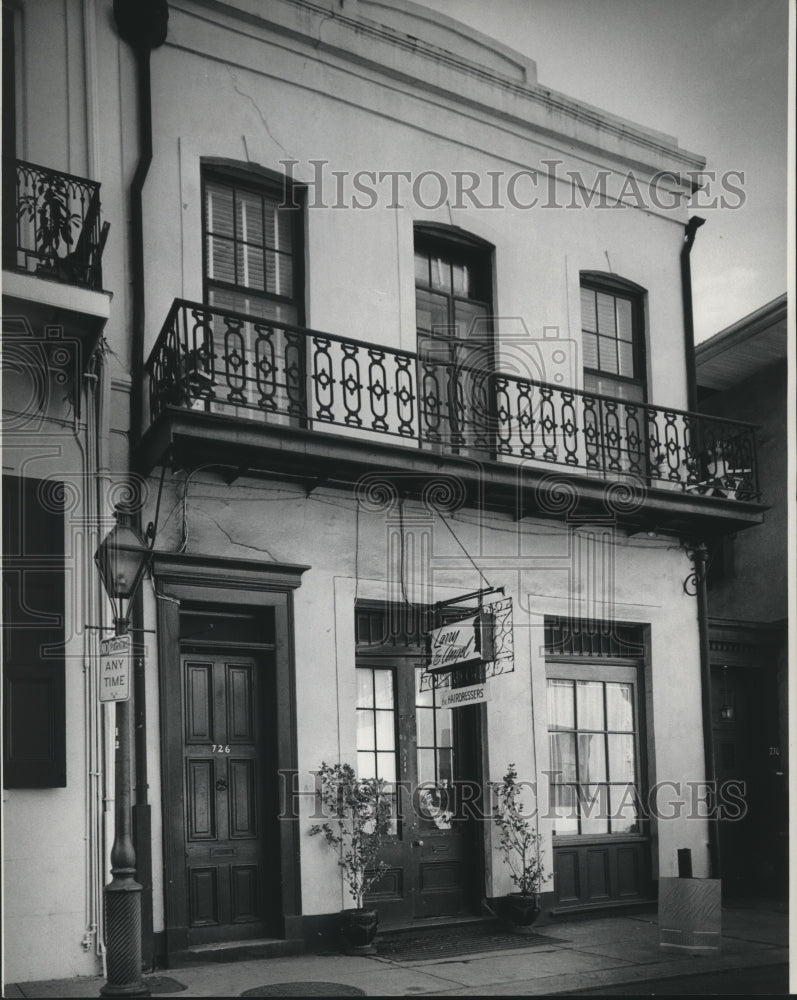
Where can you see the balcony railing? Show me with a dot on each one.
(230, 363)
(58, 231)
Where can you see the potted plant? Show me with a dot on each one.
(48, 209)
(520, 847)
(358, 811)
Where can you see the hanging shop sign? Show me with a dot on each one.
(115, 668)
(461, 643)
(473, 694)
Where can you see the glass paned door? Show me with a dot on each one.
(455, 346)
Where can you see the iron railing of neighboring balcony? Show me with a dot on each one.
(59, 233)
(240, 365)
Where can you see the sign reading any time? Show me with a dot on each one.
(115, 668)
(460, 643)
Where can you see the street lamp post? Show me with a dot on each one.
(121, 559)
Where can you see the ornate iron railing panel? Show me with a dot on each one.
(59, 233)
(231, 363)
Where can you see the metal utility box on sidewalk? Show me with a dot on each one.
(690, 913)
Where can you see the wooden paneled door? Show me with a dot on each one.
(230, 835)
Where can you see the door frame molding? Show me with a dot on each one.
(215, 580)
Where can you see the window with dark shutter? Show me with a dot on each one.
(34, 723)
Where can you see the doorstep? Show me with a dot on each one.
(235, 951)
(609, 908)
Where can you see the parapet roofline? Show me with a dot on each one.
(440, 46)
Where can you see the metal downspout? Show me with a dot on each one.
(692, 227)
(143, 25)
(700, 553)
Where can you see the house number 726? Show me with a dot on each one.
(219, 748)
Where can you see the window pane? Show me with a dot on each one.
(591, 757)
(424, 723)
(589, 318)
(622, 757)
(385, 731)
(219, 209)
(626, 352)
(620, 708)
(594, 804)
(589, 704)
(366, 765)
(606, 323)
(426, 765)
(421, 269)
(281, 228)
(625, 329)
(249, 217)
(221, 260)
(563, 806)
(470, 322)
(560, 705)
(386, 766)
(440, 273)
(607, 350)
(279, 273)
(589, 344)
(445, 766)
(431, 312)
(623, 809)
(249, 262)
(365, 687)
(365, 730)
(563, 756)
(426, 697)
(445, 726)
(383, 688)
(461, 279)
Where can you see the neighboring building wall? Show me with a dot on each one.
(755, 589)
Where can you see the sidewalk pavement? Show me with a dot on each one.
(569, 955)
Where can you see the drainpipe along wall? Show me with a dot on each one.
(143, 25)
(701, 552)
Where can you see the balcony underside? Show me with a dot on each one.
(185, 439)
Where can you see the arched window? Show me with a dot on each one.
(613, 337)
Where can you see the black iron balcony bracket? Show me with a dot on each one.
(280, 392)
(58, 232)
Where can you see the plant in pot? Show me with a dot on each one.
(358, 818)
(48, 208)
(520, 848)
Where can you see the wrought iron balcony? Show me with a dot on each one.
(226, 363)
(54, 230)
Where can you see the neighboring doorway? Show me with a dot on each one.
(228, 740)
(432, 756)
(753, 833)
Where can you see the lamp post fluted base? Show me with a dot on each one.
(123, 939)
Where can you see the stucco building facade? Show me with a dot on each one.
(380, 323)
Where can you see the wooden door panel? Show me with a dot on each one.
(225, 760)
(203, 897)
(245, 894)
(240, 703)
(199, 702)
(242, 799)
(201, 800)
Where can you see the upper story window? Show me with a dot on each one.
(251, 254)
(453, 305)
(613, 338)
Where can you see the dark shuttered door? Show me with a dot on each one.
(34, 740)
